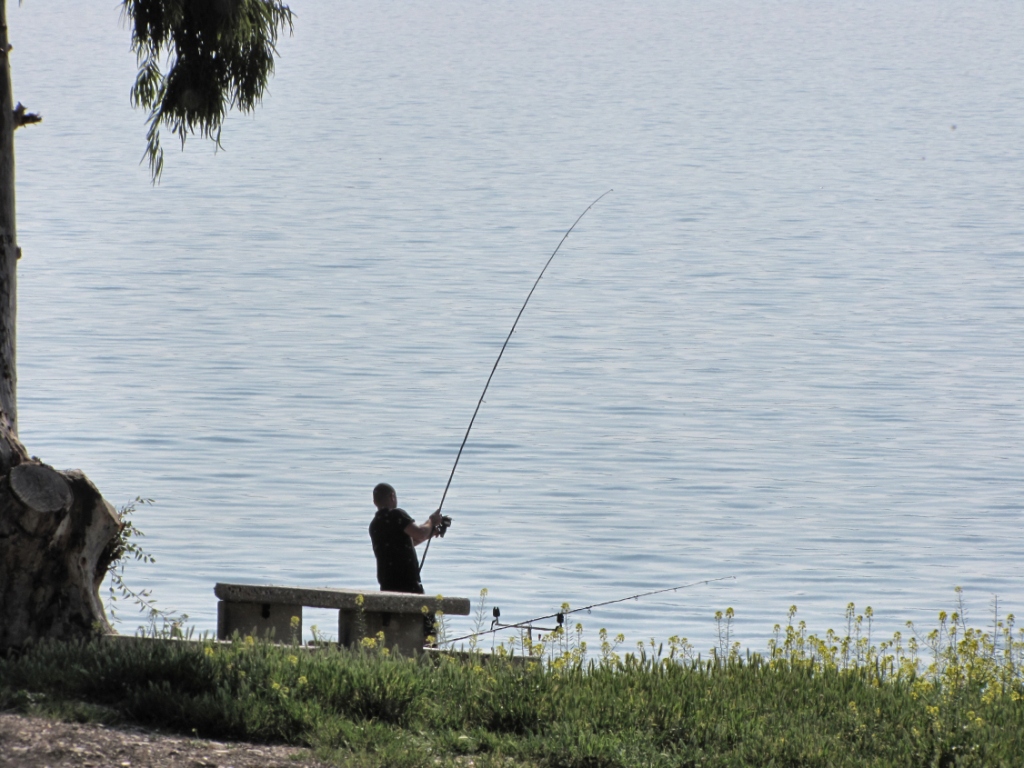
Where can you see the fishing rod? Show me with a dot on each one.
(444, 525)
(560, 616)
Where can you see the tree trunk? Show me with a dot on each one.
(58, 535)
(8, 238)
(57, 538)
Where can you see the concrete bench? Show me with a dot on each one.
(268, 611)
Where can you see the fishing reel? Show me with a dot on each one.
(442, 528)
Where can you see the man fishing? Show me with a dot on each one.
(393, 532)
(395, 536)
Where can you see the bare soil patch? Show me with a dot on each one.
(35, 742)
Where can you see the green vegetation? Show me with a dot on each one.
(952, 697)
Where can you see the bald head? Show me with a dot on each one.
(384, 496)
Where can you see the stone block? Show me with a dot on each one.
(263, 620)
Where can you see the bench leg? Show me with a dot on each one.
(401, 630)
(261, 620)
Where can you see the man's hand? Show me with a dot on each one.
(440, 526)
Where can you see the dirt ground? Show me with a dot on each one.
(32, 742)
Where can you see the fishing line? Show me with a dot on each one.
(495, 367)
(563, 614)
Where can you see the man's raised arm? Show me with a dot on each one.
(421, 532)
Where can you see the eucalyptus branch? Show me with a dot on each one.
(218, 56)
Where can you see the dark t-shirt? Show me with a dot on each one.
(398, 568)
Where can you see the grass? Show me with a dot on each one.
(951, 697)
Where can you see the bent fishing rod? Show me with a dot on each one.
(560, 615)
(444, 526)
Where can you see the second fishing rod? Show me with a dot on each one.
(440, 530)
(559, 616)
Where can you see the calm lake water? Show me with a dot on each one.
(788, 348)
